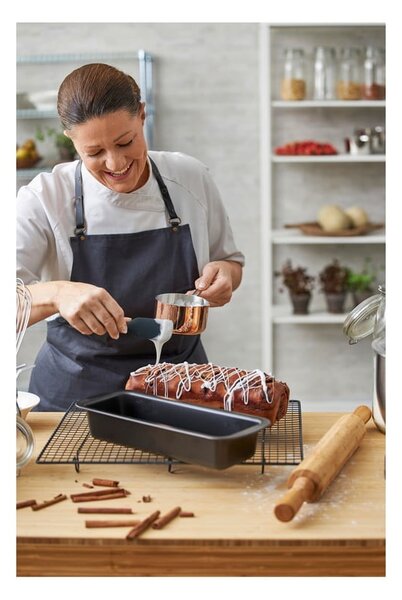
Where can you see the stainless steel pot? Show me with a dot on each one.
(359, 143)
(189, 313)
(378, 140)
(379, 391)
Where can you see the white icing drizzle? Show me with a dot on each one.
(210, 375)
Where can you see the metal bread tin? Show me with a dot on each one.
(192, 434)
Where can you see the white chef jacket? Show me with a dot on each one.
(46, 214)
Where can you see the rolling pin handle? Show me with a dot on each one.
(301, 491)
(363, 412)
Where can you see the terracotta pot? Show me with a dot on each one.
(300, 303)
(335, 302)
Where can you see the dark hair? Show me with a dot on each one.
(94, 90)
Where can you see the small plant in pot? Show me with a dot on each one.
(299, 284)
(361, 283)
(334, 284)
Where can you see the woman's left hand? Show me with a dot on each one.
(218, 281)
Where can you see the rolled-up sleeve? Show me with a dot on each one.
(222, 245)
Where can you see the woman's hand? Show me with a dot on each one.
(87, 308)
(91, 309)
(218, 281)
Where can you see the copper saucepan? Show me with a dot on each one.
(189, 313)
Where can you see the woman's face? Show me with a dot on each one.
(113, 149)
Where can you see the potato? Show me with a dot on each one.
(332, 218)
(358, 216)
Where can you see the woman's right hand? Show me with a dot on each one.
(87, 308)
(90, 309)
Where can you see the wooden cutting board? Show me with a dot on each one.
(313, 228)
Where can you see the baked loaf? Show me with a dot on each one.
(228, 388)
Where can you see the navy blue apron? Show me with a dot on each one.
(133, 268)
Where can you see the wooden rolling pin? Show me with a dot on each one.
(315, 473)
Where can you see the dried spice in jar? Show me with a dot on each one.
(373, 87)
(293, 83)
(349, 82)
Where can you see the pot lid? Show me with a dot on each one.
(360, 321)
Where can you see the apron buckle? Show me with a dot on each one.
(80, 232)
(174, 222)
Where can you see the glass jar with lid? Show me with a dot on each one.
(373, 86)
(378, 346)
(349, 81)
(293, 82)
(324, 73)
(24, 443)
(368, 318)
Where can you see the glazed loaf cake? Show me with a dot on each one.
(228, 388)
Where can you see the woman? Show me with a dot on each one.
(107, 234)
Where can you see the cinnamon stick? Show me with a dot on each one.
(55, 500)
(105, 482)
(25, 503)
(143, 525)
(185, 513)
(129, 523)
(110, 496)
(97, 493)
(165, 519)
(105, 511)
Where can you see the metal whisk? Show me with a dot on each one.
(24, 303)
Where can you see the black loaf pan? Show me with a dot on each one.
(192, 434)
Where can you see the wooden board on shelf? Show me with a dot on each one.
(313, 228)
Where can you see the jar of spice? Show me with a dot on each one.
(349, 77)
(293, 83)
(324, 73)
(373, 87)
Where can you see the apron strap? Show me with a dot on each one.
(174, 220)
(80, 228)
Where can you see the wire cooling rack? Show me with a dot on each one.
(72, 443)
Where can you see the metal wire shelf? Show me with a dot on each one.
(72, 443)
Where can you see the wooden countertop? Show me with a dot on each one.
(234, 531)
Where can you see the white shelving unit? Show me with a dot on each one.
(273, 112)
(281, 314)
(292, 236)
(328, 104)
(335, 158)
(145, 75)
